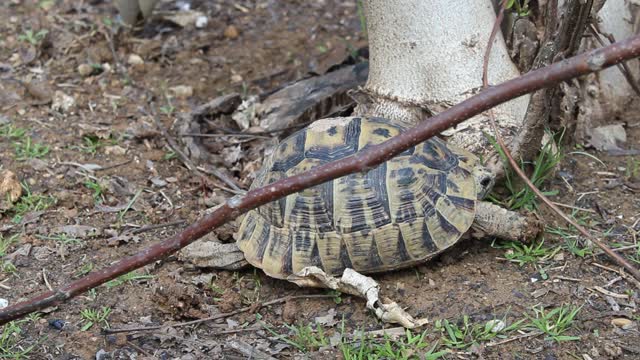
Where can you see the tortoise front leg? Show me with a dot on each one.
(493, 220)
(357, 284)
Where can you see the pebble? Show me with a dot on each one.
(231, 32)
(3, 303)
(114, 150)
(182, 91)
(62, 102)
(202, 21)
(56, 324)
(85, 70)
(135, 59)
(622, 323)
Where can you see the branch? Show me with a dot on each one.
(610, 253)
(360, 162)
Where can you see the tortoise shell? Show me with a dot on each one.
(403, 212)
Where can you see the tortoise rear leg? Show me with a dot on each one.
(493, 220)
(357, 284)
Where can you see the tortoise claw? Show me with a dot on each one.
(357, 284)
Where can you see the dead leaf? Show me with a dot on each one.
(10, 189)
(232, 154)
(123, 239)
(245, 116)
(327, 320)
(183, 18)
(77, 231)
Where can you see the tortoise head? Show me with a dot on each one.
(485, 180)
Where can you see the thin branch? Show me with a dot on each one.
(362, 161)
(185, 159)
(254, 307)
(623, 67)
(610, 253)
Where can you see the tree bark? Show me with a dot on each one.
(426, 56)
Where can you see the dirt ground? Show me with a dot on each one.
(98, 171)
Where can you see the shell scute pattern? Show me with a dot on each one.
(402, 212)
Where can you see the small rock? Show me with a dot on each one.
(102, 355)
(85, 69)
(495, 325)
(559, 257)
(3, 303)
(327, 320)
(201, 21)
(57, 324)
(42, 253)
(38, 164)
(608, 137)
(135, 59)
(182, 91)
(432, 283)
(623, 323)
(114, 150)
(62, 102)
(77, 231)
(158, 182)
(612, 349)
(231, 32)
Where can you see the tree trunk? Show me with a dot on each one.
(606, 95)
(428, 55)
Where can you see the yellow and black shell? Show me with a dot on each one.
(403, 212)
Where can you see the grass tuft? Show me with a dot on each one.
(519, 195)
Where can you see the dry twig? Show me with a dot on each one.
(360, 162)
(254, 307)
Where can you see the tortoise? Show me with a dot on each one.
(401, 213)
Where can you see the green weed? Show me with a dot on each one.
(519, 195)
(92, 143)
(27, 149)
(10, 346)
(5, 243)
(555, 322)
(169, 155)
(523, 254)
(129, 205)
(521, 7)
(304, 337)
(127, 278)
(30, 202)
(83, 270)
(467, 334)
(32, 37)
(11, 132)
(61, 238)
(97, 189)
(92, 317)
(412, 346)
